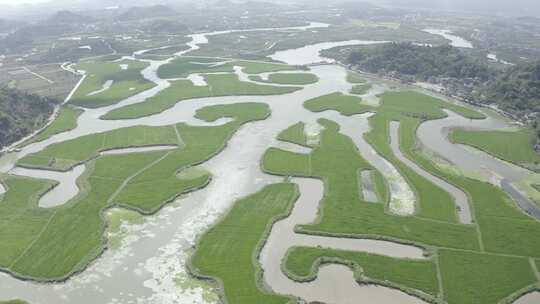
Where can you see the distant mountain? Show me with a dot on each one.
(61, 23)
(9, 25)
(69, 17)
(146, 12)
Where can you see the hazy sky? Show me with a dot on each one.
(515, 6)
(20, 1)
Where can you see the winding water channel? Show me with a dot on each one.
(150, 265)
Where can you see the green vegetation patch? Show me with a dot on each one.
(302, 263)
(345, 104)
(13, 302)
(66, 121)
(65, 155)
(421, 106)
(295, 134)
(288, 78)
(51, 244)
(183, 67)
(218, 85)
(336, 160)
(227, 252)
(170, 175)
(482, 278)
(125, 82)
(514, 147)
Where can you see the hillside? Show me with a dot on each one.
(517, 90)
(420, 63)
(21, 114)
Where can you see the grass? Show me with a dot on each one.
(295, 134)
(337, 161)
(65, 155)
(302, 263)
(360, 89)
(183, 67)
(345, 104)
(481, 278)
(482, 263)
(201, 143)
(254, 67)
(218, 85)
(227, 252)
(514, 147)
(126, 83)
(13, 302)
(288, 78)
(66, 121)
(51, 244)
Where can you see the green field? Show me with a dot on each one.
(514, 147)
(302, 264)
(13, 302)
(227, 252)
(288, 78)
(51, 244)
(345, 104)
(295, 134)
(218, 85)
(126, 82)
(66, 121)
(65, 155)
(183, 67)
(481, 263)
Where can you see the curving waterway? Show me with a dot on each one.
(150, 264)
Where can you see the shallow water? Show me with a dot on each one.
(434, 135)
(454, 40)
(334, 284)
(311, 54)
(460, 198)
(368, 186)
(63, 192)
(149, 266)
(107, 85)
(139, 150)
(400, 191)
(530, 298)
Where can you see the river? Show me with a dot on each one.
(149, 266)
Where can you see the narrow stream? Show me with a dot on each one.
(460, 198)
(334, 284)
(63, 192)
(434, 135)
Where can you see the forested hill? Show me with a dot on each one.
(21, 114)
(517, 90)
(514, 89)
(419, 62)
